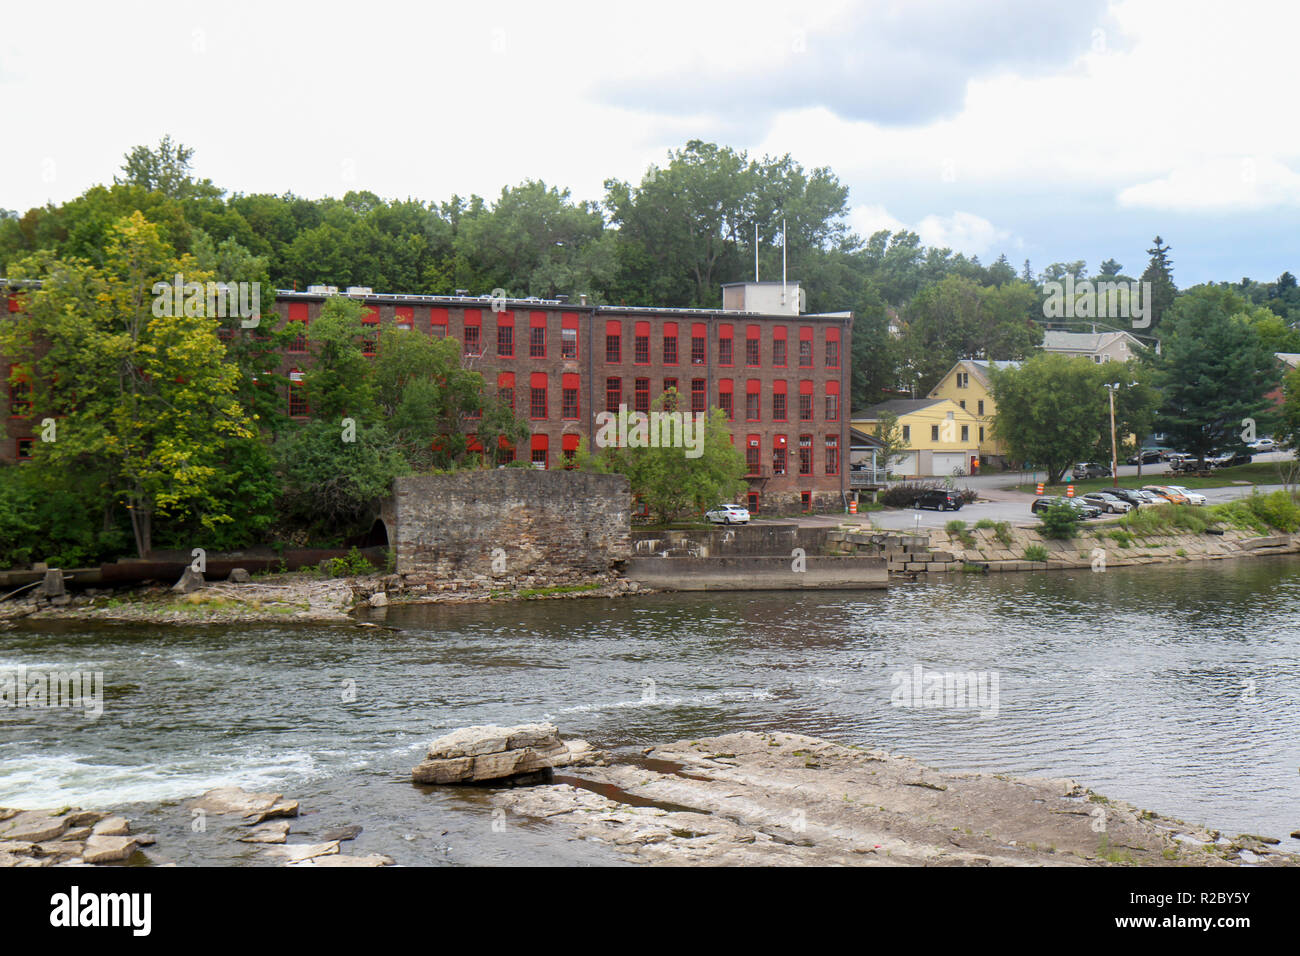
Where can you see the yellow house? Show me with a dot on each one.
(967, 383)
(940, 436)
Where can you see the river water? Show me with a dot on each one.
(1175, 687)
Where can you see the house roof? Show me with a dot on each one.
(860, 439)
(1292, 359)
(899, 406)
(980, 367)
(1057, 341)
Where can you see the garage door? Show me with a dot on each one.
(946, 462)
(904, 464)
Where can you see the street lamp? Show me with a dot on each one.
(1111, 388)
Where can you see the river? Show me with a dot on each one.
(1175, 687)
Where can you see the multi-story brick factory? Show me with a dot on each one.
(780, 375)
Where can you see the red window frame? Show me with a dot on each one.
(753, 456)
(537, 335)
(699, 344)
(538, 406)
(832, 454)
(613, 341)
(25, 440)
(506, 388)
(569, 335)
(805, 455)
(20, 392)
(404, 317)
(539, 451)
(779, 458)
(670, 343)
(613, 394)
(805, 346)
(699, 396)
(753, 347)
(726, 352)
(832, 401)
(806, 400)
(438, 321)
(472, 344)
(505, 334)
(779, 409)
(370, 332)
(833, 347)
(569, 451)
(569, 396)
(298, 395)
(641, 395)
(670, 384)
(779, 350)
(753, 400)
(641, 343)
(726, 398)
(299, 312)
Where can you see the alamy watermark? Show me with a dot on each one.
(214, 300)
(946, 690)
(624, 429)
(60, 690)
(1098, 300)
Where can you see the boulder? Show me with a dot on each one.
(277, 831)
(297, 852)
(33, 826)
(191, 580)
(379, 599)
(111, 826)
(52, 584)
(349, 832)
(108, 849)
(477, 754)
(253, 807)
(239, 576)
(374, 859)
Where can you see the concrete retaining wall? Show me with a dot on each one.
(745, 539)
(758, 573)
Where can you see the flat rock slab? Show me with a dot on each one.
(342, 859)
(350, 832)
(479, 754)
(253, 807)
(112, 826)
(786, 799)
(33, 826)
(108, 849)
(297, 852)
(276, 831)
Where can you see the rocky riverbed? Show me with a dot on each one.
(781, 799)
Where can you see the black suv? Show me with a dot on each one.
(939, 500)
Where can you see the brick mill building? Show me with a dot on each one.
(781, 376)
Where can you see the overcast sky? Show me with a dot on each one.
(1049, 130)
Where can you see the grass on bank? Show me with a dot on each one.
(1260, 513)
(1256, 473)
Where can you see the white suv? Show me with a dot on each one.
(728, 514)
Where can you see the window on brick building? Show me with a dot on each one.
(699, 351)
(20, 392)
(753, 355)
(725, 398)
(298, 407)
(506, 388)
(778, 455)
(725, 354)
(506, 335)
(805, 454)
(540, 451)
(753, 412)
(613, 341)
(537, 396)
(778, 346)
(805, 500)
(537, 335)
(670, 343)
(370, 331)
(641, 395)
(670, 385)
(569, 396)
(833, 348)
(473, 344)
(641, 343)
(805, 401)
(438, 322)
(404, 317)
(569, 451)
(613, 394)
(569, 335)
(23, 448)
(778, 401)
(832, 401)
(753, 453)
(699, 397)
(805, 346)
(832, 454)
(298, 313)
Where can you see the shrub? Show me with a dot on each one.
(1059, 521)
(1002, 531)
(1035, 552)
(985, 523)
(353, 563)
(955, 526)
(1122, 538)
(904, 493)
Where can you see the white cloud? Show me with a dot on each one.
(962, 232)
(1220, 184)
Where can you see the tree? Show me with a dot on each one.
(165, 170)
(666, 480)
(890, 435)
(1214, 373)
(1159, 272)
(139, 397)
(1051, 411)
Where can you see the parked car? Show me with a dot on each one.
(1149, 456)
(1085, 509)
(939, 500)
(1260, 445)
(1135, 498)
(728, 514)
(1151, 498)
(1109, 503)
(1193, 498)
(1089, 469)
(1230, 460)
(1165, 491)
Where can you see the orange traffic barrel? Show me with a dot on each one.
(1040, 488)
(1069, 491)
(853, 506)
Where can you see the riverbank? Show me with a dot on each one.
(303, 598)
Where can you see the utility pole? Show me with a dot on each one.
(1114, 452)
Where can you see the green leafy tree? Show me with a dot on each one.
(1051, 411)
(1160, 273)
(1214, 373)
(890, 435)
